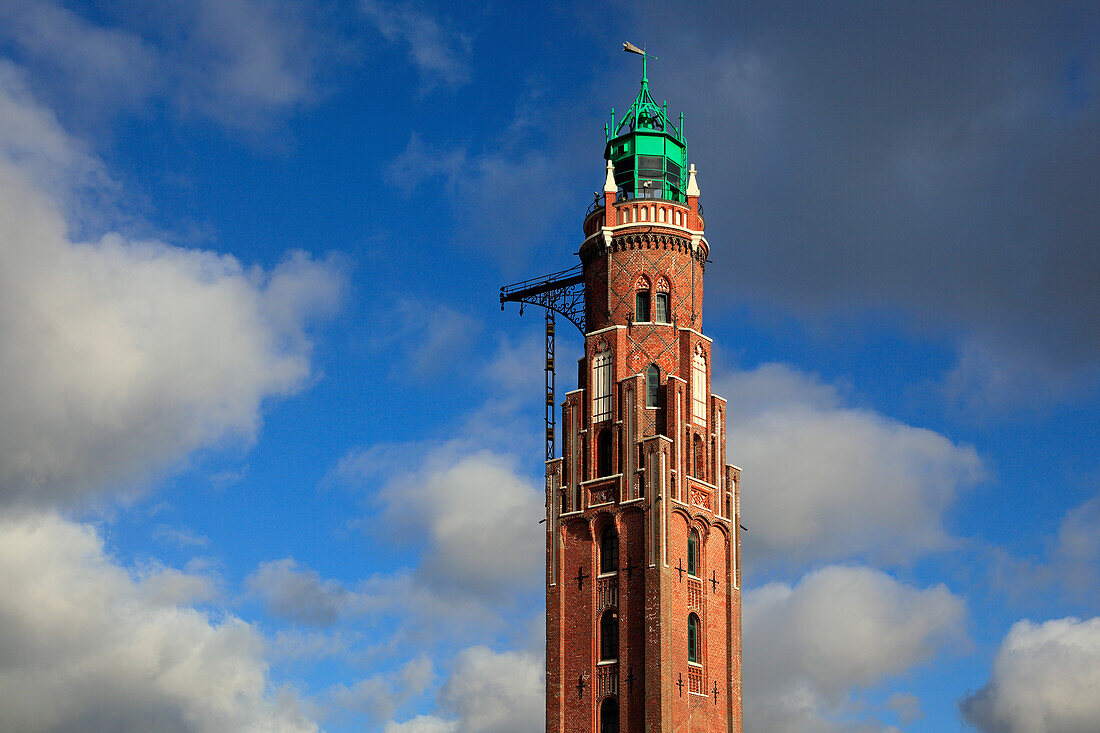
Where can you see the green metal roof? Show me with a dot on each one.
(646, 114)
(646, 148)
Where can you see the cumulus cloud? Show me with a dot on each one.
(296, 593)
(487, 692)
(87, 644)
(807, 646)
(122, 357)
(827, 481)
(466, 508)
(1069, 564)
(1044, 680)
(376, 698)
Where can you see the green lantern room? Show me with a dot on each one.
(646, 149)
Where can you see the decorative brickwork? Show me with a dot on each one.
(665, 479)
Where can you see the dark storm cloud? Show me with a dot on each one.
(941, 159)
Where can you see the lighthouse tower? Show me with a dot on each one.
(643, 599)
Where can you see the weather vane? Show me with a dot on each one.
(629, 47)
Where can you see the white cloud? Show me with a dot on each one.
(88, 645)
(487, 692)
(1069, 565)
(1044, 680)
(237, 61)
(423, 724)
(840, 628)
(825, 481)
(466, 509)
(297, 593)
(377, 698)
(122, 357)
(439, 52)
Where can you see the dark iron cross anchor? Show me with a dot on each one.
(680, 567)
(629, 567)
(716, 692)
(630, 680)
(580, 577)
(680, 684)
(713, 582)
(580, 686)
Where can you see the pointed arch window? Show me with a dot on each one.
(693, 553)
(661, 308)
(609, 550)
(601, 383)
(652, 382)
(609, 635)
(603, 452)
(699, 386)
(661, 314)
(609, 715)
(641, 299)
(693, 639)
(641, 306)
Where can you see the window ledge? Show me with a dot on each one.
(695, 664)
(606, 662)
(611, 574)
(601, 478)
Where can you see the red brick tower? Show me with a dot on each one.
(643, 600)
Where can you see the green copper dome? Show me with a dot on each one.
(646, 149)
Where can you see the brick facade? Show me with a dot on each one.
(654, 474)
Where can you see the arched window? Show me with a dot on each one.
(662, 314)
(652, 381)
(601, 383)
(699, 386)
(609, 715)
(693, 553)
(641, 299)
(641, 306)
(609, 550)
(693, 638)
(609, 635)
(603, 452)
(661, 308)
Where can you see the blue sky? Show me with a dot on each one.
(270, 455)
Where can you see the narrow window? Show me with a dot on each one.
(609, 715)
(641, 306)
(699, 386)
(700, 458)
(662, 307)
(652, 381)
(609, 635)
(603, 452)
(693, 554)
(693, 639)
(609, 550)
(601, 384)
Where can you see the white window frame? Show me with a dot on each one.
(699, 387)
(601, 385)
